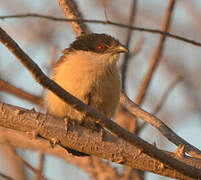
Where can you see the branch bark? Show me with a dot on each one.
(71, 11)
(104, 145)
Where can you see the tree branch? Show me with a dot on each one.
(171, 86)
(40, 166)
(103, 145)
(70, 10)
(157, 54)
(135, 28)
(162, 127)
(9, 88)
(22, 160)
(5, 177)
(163, 98)
(128, 40)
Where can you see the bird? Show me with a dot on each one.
(88, 70)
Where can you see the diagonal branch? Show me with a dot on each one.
(162, 127)
(172, 85)
(22, 160)
(5, 177)
(9, 88)
(157, 54)
(163, 98)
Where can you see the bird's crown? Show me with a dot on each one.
(98, 43)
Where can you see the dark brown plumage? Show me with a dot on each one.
(91, 42)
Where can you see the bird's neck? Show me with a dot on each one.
(93, 59)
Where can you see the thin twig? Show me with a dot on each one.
(100, 169)
(52, 60)
(136, 28)
(16, 168)
(105, 122)
(136, 49)
(9, 88)
(194, 12)
(162, 127)
(70, 10)
(23, 161)
(133, 123)
(157, 54)
(138, 46)
(128, 40)
(105, 10)
(41, 165)
(162, 100)
(50, 66)
(166, 93)
(5, 177)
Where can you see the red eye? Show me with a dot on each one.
(101, 47)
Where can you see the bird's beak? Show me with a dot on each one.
(121, 49)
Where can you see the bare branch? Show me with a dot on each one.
(136, 49)
(9, 88)
(166, 93)
(163, 99)
(15, 167)
(5, 177)
(100, 169)
(105, 10)
(70, 10)
(136, 28)
(40, 166)
(128, 40)
(157, 54)
(80, 138)
(23, 161)
(162, 127)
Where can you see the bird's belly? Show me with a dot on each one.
(98, 89)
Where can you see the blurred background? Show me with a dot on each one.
(180, 66)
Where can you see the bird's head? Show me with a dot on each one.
(101, 46)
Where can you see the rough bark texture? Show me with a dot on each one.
(101, 144)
